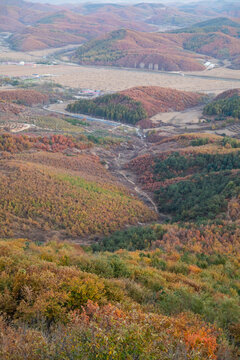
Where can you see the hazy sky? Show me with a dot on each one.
(125, 1)
(111, 1)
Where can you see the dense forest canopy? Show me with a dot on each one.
(116, 107)
(203, 185)
(226, 107)
(179, 165)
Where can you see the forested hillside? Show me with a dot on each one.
(135, 104)
(39, 26)
(155, 291)
(24, 97)
(134, 287)
(226, 104)
(119, 187)
(136, 49)
(218, 38)
(220, 24)
(156, 99)
(198, 182)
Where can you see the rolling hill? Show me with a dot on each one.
(219, 37)
(212, 8)
(180, 50)
(38, 26)
(156, 99)
(136, 49)
(118, 243)
(226, 104)
(88, 202)
(136, 104)
(227, 94)
(220, 24)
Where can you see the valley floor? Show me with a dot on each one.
(107, 79)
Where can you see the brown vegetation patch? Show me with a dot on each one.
(24, 97)
(157, 99)
(228, 94)
(10, 108)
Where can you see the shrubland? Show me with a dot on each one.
(63, 302)
(24, 97)
(52, 143)
(50, 195)
(157, 291)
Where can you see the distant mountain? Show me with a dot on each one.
(220, 24)
(219, 37)
(39, 25)
(212, 8)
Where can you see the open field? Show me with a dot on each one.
(119, 79)
(12, 55)
(219, 72)
(192, 116)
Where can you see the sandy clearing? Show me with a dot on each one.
(116, 79)
(192, 116)
(220, 132)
